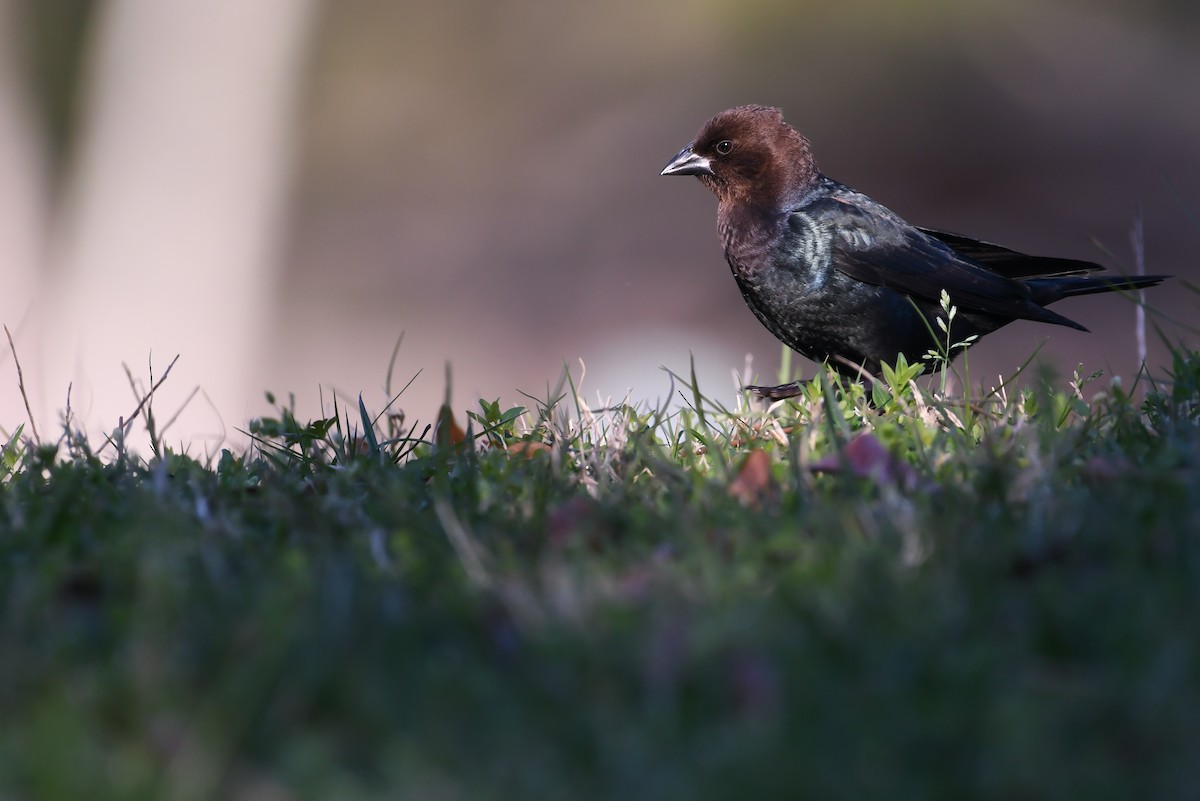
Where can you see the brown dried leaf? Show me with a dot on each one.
(753, 480)
(528, 449)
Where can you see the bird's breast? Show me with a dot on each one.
(807, 245)
(798, 249)
(753, 239)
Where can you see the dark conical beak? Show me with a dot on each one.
(686, 162)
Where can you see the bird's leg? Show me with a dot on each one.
(780, 392)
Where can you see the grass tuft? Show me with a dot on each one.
(872, 590)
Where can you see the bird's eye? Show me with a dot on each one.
(724, 146)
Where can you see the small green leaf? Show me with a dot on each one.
(368, 429)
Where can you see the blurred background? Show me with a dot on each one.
(276, 191)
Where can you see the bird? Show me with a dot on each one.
(841, 278)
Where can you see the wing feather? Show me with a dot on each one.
(869, 243)
(1011, 263)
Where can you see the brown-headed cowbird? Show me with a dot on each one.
(839, 277)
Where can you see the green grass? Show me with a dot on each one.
(1003, 603)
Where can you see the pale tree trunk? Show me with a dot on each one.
(168, 239)
(24, 193)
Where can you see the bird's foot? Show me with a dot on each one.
(780, 392)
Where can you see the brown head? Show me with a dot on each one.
(749, 155)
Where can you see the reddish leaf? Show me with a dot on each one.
(448, 430)
(1105, 469)
(572, 519)
(866, 457)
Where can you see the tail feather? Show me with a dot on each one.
(1048, 290)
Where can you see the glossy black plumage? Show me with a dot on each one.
(839, 277)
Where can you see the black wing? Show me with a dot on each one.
(869, 243)
(1011, 263)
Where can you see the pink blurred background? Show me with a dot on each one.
(277, 190)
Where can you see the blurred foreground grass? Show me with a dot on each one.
(912, 597)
